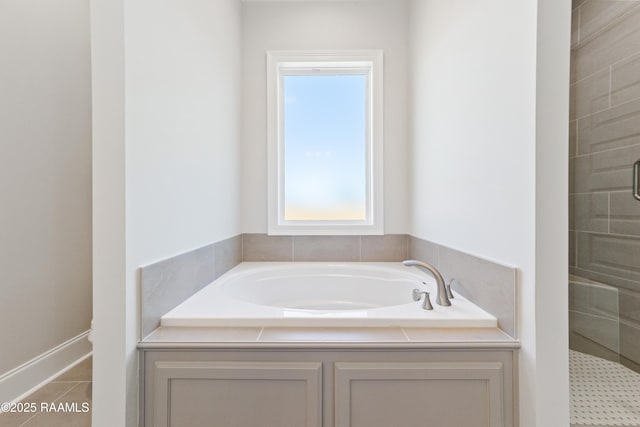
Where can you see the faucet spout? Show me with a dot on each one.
(442, 298)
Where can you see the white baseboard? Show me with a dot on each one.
(30, 376)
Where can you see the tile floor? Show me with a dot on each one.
(603, 393)
(585, 345)
(69, 391)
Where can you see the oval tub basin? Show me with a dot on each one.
(324, 295)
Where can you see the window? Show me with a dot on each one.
(325, 142)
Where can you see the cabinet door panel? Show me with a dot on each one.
(456, 394)
(237, 394)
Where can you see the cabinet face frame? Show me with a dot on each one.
(329, 358)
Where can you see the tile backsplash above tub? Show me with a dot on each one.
(167, 283)
(262, 247)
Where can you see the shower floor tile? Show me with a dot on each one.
(603, 393)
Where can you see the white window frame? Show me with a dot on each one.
(281, 63)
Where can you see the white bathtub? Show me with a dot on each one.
(273, 294)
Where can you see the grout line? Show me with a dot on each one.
(593, 113)
(576, 8)
(607, 275)
(68, 391)
(406, 252)
(596, 192)
(597, 316)
(609, 212)
(627, 58)
(579, 8)
(606, 151)
(610, 83)
(613, 64)
(575, 244)
(66, 382)
(610, 25)
(54, 400)
(605, 234)
(610, 108)
(29, 419)
(577, 150)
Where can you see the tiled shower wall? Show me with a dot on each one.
(604, 236)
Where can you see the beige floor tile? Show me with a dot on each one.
(80, 393)
(80, 372)
(48, 393)
(73, 386)
(73, 409)
(60, 420)
(14, 419)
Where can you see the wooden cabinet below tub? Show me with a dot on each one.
(325, 387)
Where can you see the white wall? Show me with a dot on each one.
(473, 112)
(325, 25)
(177, 107)
(483, 178)
(45, 177)
(183, 105)
(166, 162)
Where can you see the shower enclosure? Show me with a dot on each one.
(604, 229)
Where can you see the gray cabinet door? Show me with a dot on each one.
(236, 394)
(439, 394)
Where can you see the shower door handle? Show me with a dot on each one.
(636, 180)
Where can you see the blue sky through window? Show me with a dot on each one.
(325, 147)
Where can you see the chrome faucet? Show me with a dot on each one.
(442, 297)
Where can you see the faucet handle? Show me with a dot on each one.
(449, 293)
(427, 301)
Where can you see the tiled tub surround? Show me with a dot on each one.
(488, 284)
(604, 236)
(166, 284)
